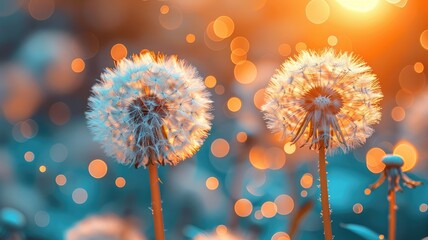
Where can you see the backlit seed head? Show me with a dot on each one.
(150, 109)
(327, 97)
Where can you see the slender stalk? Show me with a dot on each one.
(156, 202)
(328, 234)
(392, 219)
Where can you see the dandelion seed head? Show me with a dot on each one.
(150, 109)
(323, 97)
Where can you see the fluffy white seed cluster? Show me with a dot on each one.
(150, 109)
(324, 99)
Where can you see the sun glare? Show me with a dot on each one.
(359, 5)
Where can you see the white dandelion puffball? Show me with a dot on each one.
(104, 227)
(150, 109)
(323, 99)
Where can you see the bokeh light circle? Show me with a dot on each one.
(243, 207)
(409, 154)
(317, 11)
(97, 168)
(220, 147)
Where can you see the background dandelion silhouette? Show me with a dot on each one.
(243, 180)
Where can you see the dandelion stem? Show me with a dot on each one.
(156, 202)
(392, 219)
(328, 234)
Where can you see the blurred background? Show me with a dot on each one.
(244, 183)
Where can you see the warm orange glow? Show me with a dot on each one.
(424, 39)
(258, 215)
(404, 98)
(210, 81)
(41, 9)
(410, 80)
(118, 52)
(221, 230)
(398, 114)
(220, 147)
(223, 27)
(42, 168)
(61, 180)
(172, 19)
(374, 160)
(219, 89)
(269, 209)
(359, 5)
(59, 113)
(301, 46)
(241, 137)
(381, 237)
(164, 9)
(357, 208)
(243, 207)
(259, 98)
(284, 49)
(276, 158)
(304, 193)
(211, 34)
(332, 40)
(190, 38)
(240, 43)
(423, 207)
(289, 148)
(367, 191)
(285, 204)
(234, 104)
(212, 183)
(97, 168)
(29, 156)
(307, 180)
(120, 182)
(258, 158)
(409, 154)
(78, 65)
(245, 72)
(419, 67)
(317, 11)
(23, 94)
(281, 236)
(238, 56)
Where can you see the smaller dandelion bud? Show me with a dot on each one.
(393, 161)
(394, 175)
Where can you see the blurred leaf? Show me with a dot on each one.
(298, 217)
(361, 231)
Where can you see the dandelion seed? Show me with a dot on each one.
(323, 97)
(150, 109)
